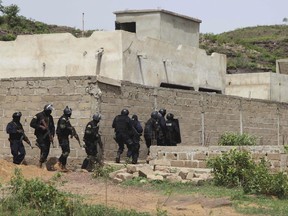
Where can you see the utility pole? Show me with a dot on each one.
(82, 24)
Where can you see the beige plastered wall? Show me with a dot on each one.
(116, 55)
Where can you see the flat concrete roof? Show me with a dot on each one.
(157, 11)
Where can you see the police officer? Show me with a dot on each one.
(150, 130)
(161, 128)
(92, 138)
(43, 124)
(173, 130)
(64, 129)
(16, 137)
(136, 134)
(122, 125)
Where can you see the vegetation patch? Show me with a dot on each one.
(236, 139)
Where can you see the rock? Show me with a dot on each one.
(124, 176)
(155, 177)
(145, 171)
(183, 174)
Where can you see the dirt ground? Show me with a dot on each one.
(97, 191)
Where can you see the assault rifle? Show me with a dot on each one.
(23, 136)
(48, 133)
(74, 134)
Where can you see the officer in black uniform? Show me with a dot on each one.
(122, 125)
(92, 138)
(173, 130)
(150, 130)
(16, 137)
(43, 124)
(64, 129)
(161, 128)
(137, 131)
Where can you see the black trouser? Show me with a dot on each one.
(44, 145)
(148, 142)
(91, 151)
(122, 139)
(17, 150)
(133, 151)
(64, 144)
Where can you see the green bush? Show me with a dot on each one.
(236, 139)
(236, 168)
(229, 169)
(41, 198)
(36, 198)
(261, 181)
(103, 171)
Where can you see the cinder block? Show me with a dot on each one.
(182, 156)
(191, 164)
(178, 163)
(171, 156)
(202, 164)
(272, 156)
(200, 156)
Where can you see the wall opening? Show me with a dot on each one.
(210, 90)
(174, 86)
(129, 26)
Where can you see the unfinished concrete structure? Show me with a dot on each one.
(119, 55)
(160, 24)
(262, 85)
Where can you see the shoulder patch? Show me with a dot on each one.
(89, 126)
(35, 117)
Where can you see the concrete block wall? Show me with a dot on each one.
(203, 117)
(196, 157)
(29, 95)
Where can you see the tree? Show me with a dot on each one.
(1, 6)
(285, 20)
(10, 14)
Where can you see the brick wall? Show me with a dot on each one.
(197, 156)
(203, 117)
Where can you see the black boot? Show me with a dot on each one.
(134, 159)
(117, 160)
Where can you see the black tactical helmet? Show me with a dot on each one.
(96, 117)
(16, 115)
(154, 115)
(170, 116)
(48, 107)
(135, 117)
(67, 111)
(162, 112)
(125, 112)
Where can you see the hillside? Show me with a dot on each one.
(251, 49)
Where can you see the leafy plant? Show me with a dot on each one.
(229, 169)
(236, 139)
(43, 198)
(236, 168)
(36, 198)
(103, 171)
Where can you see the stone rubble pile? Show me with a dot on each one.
(161, 173)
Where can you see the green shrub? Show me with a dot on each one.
(236, 168)
(36, 198)
(257, 180)
(229, 169)
(236, 139)
(103, 171)
(41, 198)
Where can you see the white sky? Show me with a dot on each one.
(217, 15)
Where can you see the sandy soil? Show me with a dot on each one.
(97, 191)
